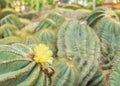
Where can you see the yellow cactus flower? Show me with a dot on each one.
(42, 54)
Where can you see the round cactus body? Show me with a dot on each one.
(20, 65)
(66, 73)
(79, 42)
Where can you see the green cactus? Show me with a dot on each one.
(66, 73)
(115, 74)
(7, 30)
(28, 37)
(45, 23)
(11, 19)
(108, 31)
(46, 36)
(17, 67)
(57, 18)
(98, 79)
(6, 11)
(99, 13)
(10, 40)
(25, 22)
(53, 20)
(78, 41)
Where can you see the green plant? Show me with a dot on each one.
(20, 65)
(99, 13)
(28, 37)
(77, 41)
(11, 19)
(52, 20)
(6, 11)
(66, 73)
(3, 4)
(10, 40)
(45, 23)
(7, 30)
(108, 31)
(27, 15)
(115, 74)
(98, 79)
(46, 36)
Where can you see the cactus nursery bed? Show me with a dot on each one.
(55, 50)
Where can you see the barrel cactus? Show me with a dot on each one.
(108, 31)
(10, 40)
(46, 36)
(27, 36)
(6, 11)
(98, 79)
(99, 13)
(11, 19)
(7, 30)
(66, 73)
(52, 20)
(115, 74)
(45, 23)
(78, 41)
(20, 65)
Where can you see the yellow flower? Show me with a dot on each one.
(42, 54)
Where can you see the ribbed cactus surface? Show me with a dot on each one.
(66, 73)
(78, 41)
(17, 67)
(108, 31)
(99, 13)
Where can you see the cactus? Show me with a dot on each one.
(115, 74)
(25, 22)
(27, 15)
(66, 73)
(57, 18)
(27, 36)
(53, 20)
(45, 23)
(6, 11)
(19, 66)
(77, 41)
(7, 30)
(108, 31)
(99, 13)
(98, 79)
(10, 40)
(46, 36)
(11, 19)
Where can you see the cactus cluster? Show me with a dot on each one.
(59, 51)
